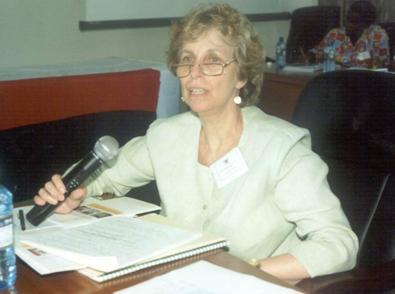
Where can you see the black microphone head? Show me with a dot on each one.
(106, 148)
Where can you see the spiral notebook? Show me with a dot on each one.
(123, 244)
(202, 244)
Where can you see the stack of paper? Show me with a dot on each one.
(93, 209)
(119, 241)
(104, 246)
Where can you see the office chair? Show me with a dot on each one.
(309, 25)
(351, 117)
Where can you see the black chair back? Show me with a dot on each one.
(30, 155)
(309, 25)
(351, 117)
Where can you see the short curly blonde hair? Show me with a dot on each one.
(238, 32)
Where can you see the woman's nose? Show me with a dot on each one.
(195, 71)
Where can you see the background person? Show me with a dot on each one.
(361, 43)
(226, 167)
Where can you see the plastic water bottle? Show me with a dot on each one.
(280, 53)
(329, 59)
(7, 253)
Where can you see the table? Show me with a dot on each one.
(30, 282)
(379, 278)
(374, 279)
(280, 92)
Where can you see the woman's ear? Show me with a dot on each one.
(241, 84)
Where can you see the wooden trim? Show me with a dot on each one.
(163, 22)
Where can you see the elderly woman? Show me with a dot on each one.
(225, 166)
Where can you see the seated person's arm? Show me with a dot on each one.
(319, 49)
(326, 243)
(378, 41)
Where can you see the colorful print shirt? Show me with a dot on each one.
(371, 49)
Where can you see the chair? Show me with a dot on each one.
(351, 116)
(309, 25)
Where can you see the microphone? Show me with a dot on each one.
(105, 149)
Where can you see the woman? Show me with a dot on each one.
(362, 43)
(225, 166)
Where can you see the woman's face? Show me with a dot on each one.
(209, 94)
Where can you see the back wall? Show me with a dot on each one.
(44, 32)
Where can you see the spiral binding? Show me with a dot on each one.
(136, 267)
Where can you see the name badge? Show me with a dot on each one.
(229, 167)
(363, 55)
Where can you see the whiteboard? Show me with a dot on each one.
(110, 10)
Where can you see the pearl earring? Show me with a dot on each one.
(182, 99)
(237, 100)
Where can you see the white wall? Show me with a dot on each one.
(98, 10)
(37, 32)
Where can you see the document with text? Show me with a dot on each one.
(92, 209)
(118, 241)
(122, 245)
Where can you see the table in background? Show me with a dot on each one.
(280, 92)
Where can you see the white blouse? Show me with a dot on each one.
(282, 204)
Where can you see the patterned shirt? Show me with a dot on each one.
(372, 46)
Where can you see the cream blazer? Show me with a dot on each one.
(283, 204)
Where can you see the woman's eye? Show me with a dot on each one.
(186, 59)
(213, 59)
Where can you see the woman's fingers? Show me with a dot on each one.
(54, 191)
(58, 182)
(72, 202)
(46, 196)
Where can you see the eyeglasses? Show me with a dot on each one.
(208, 69)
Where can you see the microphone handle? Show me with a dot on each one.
(72, 180)
(40, 213)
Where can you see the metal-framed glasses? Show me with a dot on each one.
(208, 69)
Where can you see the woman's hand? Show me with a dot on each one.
(285, 267)
(53, 193)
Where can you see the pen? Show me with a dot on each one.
(22, 219)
